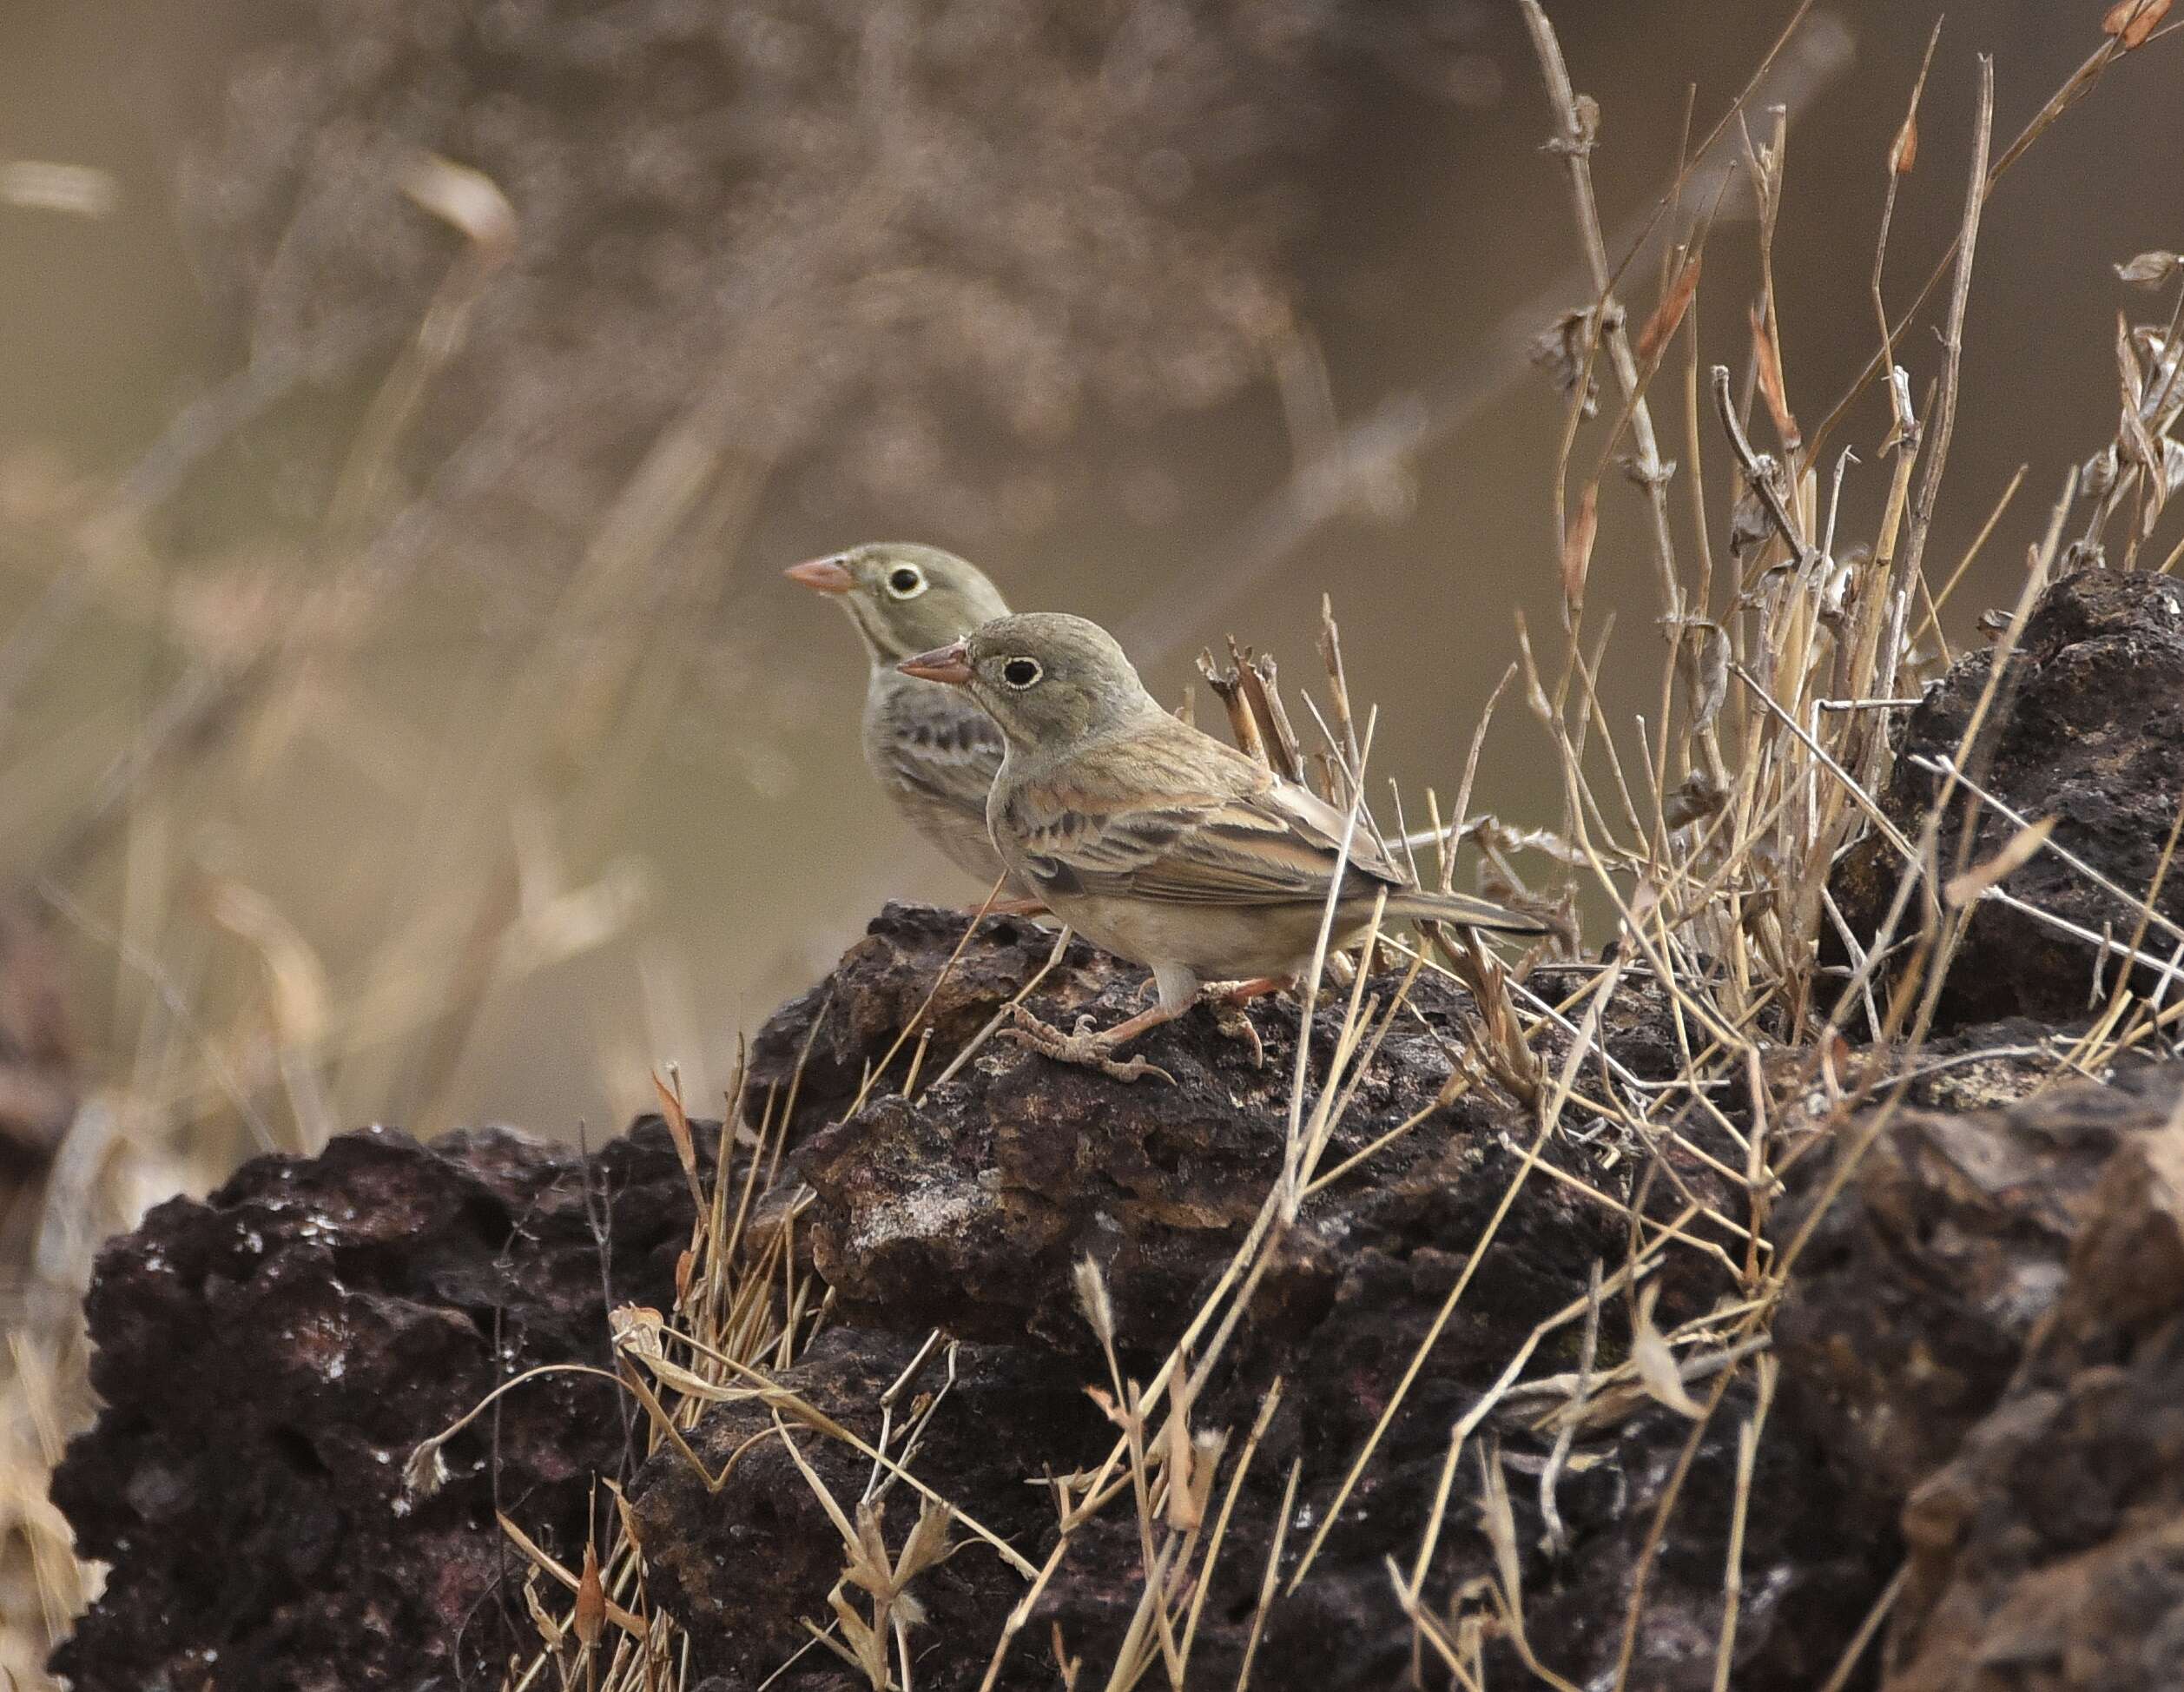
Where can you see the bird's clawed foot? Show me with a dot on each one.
(1227, 1003)
(1084, 1048)
(1235, 1023)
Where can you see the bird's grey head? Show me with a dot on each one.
(904, 598)
(1048, 679)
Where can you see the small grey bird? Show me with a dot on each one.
(934, 751)
(1157, 842)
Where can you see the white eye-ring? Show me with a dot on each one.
(906, 582)
(1021, 673)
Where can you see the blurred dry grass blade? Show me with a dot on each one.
(2131, 21)
(472, 202)
(465, 197)
(1669, 315)
(300, 994)
(79, 190)
(2150, 270)
(298, 999)
(1811, 54)
(1577, 550)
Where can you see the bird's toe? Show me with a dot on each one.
(1235, 1022)
(1083, 1047)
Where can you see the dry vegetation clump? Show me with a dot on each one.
(1788, 909)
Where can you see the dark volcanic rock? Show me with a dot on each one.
(746, 1563)
(822, 1042)
(970, 1207)
(2049, 1556)
(2088, 728)
(268, 1360)
(1923, 1282)
(967, 1208)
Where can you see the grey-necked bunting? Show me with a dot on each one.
(931, 748)
(1155, 841)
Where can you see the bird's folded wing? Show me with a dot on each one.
(1262, 841)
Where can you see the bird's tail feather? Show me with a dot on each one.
(1463, 910)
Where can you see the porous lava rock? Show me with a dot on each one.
(746, 1562)
(1985, 1328)
(1924, 1279)
(268, 1358)
(967, 1209)
(2048, 1554)
(2087, 728)
(820, 1044)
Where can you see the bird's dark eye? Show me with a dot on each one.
(1021, 673)
(906, 583)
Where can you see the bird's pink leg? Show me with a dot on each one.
(1123, 1033)
(1244, 992)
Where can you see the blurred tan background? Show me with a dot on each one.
(401, 714)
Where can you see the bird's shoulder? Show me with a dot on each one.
(1157, 765)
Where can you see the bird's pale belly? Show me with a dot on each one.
(1214, 942)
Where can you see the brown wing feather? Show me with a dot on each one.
(1170, 815)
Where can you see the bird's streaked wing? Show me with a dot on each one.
(1170, 815)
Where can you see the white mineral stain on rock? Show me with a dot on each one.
(929, 1213)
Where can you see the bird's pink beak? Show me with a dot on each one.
(821, 576)
(951, 664)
